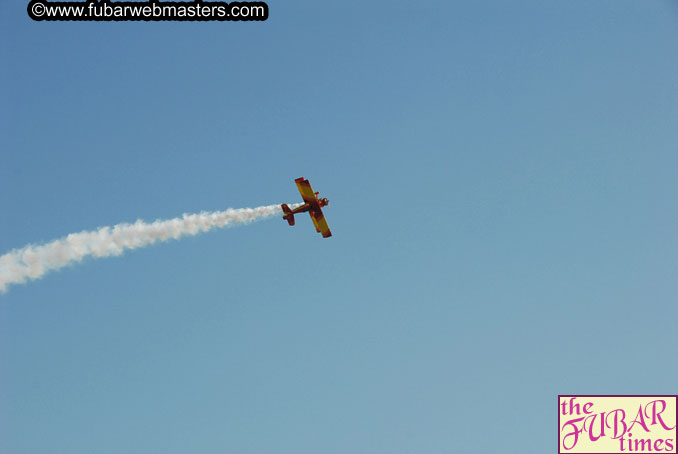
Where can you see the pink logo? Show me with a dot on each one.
(617, 424)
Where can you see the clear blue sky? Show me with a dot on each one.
(502, 178)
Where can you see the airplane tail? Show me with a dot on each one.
(288, 216)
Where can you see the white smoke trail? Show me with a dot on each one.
(33, 261)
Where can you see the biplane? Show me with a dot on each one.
(313, 204)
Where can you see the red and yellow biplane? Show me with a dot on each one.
(312, 204)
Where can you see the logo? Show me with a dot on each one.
(617, 424)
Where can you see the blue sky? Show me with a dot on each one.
(502, 179)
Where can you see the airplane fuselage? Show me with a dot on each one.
(312, 207)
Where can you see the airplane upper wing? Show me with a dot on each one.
(305, 190)
(321, 225)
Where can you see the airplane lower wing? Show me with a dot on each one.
(321, 226)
